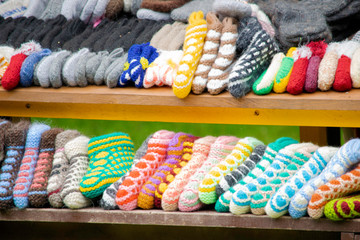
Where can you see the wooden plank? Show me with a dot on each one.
(316, 135)
(347, 236)
(192, 219)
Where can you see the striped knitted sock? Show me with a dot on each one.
(189, 198)
(242, 150)
(110, 157)
(60, 167)
(251, 64)
(259, 200)
(340, 187)
(108, 198)
(279, 203)
(193, 45)
(37, 193)
(166, 180)
(344, 158)
(28, 163)
(223, 203)
(343, 208)
(4, 125)
(76, 151)
(15, 138)
(210, 51)
(128, 192)
(201, 151)
(327, 67)
(264, 84)
(146, 199)
(218, 76)
(284, 72)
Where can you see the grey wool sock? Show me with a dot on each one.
(41, 73)
(36, 8)
(72, 8)
(114, 71)
(182, 13)
(232, 8)
(105, 63)
(52, 10)
(68, 71)
(327, 7)
(80, 71)
(135, 6)
(149, 14)
(99, 10)
(55, 71)
(87, 10)
(248, 27)
(93, 64)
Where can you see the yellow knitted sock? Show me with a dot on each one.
(283, 75)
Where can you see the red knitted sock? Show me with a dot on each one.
(11, 76)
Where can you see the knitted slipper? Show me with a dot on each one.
(328, 66)
(114, 71)
(284, 72)
(343, 208)
(93, 64)
(4, 126)
(70, 66)
(80, 72)
(41, 72)
(55, 70)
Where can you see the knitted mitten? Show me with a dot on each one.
(15, 138)
(128, 192)
(108, 198)
(60, 168)
(189, 198)
(344, 158)
(37, 193)
(264, 84)
(223, 203)
(219, 73)
(201, 151)
(11, 77)
(210, 51)
(354, 68)
(4, 126)
(327, 68)
(242, 150)
(76, 151)
(110, 156)
(343, 208)
(283, 75)
(28, 163)
(193, 46)
(174, 152)
(251, 64)
(298, 75)
(340, 187)
(279, 203)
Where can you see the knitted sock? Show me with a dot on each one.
(73, 28)
(232, 8)
(105, 63)
(342, 80)
(133, 55)
(264, 84)
(201, 151)
(298, 75)
(128, 192)
(343, 208)
(279, 203)
(177, 42)
(110, 156)
(162, 6)
(193, 45)
(251, 64)
(35, 8)
(189, 198)
(37, 193)
(327, 68)
(318, 51)
(218, 76)
(28, 163)
(284, 73)
(259, 202)
(28, 67)
(80, 72)
(114, 71)
(183, 13)
(60, 167)
(5, 54)
(149, 14)
(15, 138)
(146, 199)
(242, 150)
(210, 51)
(167, 35)
(114, 8)
(53, 9)
(93, 64)
(98, 11)
(43, 73)
(248, 27)
(263, 19)
(344, 158)
(4, 125)
(354, 68)
(70, 66)
(87, 11)
(76, 151)
(160, 36)
(108, 198)
(240, 172)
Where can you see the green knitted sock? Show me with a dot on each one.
(343, 208)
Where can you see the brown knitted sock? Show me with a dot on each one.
(158, 37)
(177, 42)
(4, 125)
(114, 9)
(161, 5)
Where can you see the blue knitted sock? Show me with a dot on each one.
(133, 54)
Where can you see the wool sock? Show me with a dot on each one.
(242, 150)
(60, 166)
(133, 54)
(76, 151)
(193, 45)
(354, 68)
(41, 71)
(55, 70)
(111, 156)
(53, 9)
(343, 159)
(263, 19)
(146, 199)
(108, 198)
(70, 30)
(35, 8)
(279, 203)
(177, 42)
(183, 13)
(232, 8)
(149, 14)
(251, 64)
(38, 196)
(69, 68)
(5, 56)
(167, 35)
(28, 163)
(4, 125)
(219, 150)
(80, 71)
(200, 153)
(210, 51)
(343, 208)
(98, 11)
(93, 64)
(105, 63)
(328, 66)
(114, 9)
(128, 192)
(162, 6)
(114, 71)
(15, 138)
(264, 84)
(160, 36)
(218, 75)
(248, 27)
(87, 11)
(284, 73)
